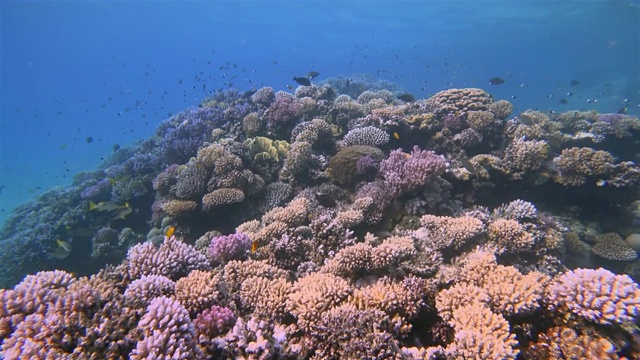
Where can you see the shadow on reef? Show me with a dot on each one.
(339, 221)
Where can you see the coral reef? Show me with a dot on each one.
(338, 221)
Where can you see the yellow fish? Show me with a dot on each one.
(63, 249)
(396, 135)
(106, 206)
(122, 213)
(254, 246)
(170, 231)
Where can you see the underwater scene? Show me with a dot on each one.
(320, 180)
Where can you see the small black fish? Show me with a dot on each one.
(407, 97)
(302, 81)
(1, 188)
(312, 74)
(89, 139)
(325, 200)
(496, 81)
(247, 94)
(563, 101)
(574, 83)
(622, 110)
(348, 83)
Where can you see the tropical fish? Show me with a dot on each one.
(574, 83)
(467, 164)
(302, 81)
(325, 200)
(396, 135)
(63, 249)
(496, 81)
(541, 178)
(601, 182)
(312, 74)
(526, 119)
(563, 101)
(89, 139)
(1, 188)
(254, 246)
(407, 97)
(170, 231)
(122, 213)
(106, 206)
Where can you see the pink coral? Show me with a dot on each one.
(168, 332)
(598, 295)
(405, 173)
(172, 259)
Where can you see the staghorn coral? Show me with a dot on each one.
(368, 135)
(172, 259)
(522, 156)
(445, 232)
(197, 290)
(346, 332)
(501, 109)
(167, 332)
(225, 248)
(516, 210)
(267, 297)
(315, 294)
(576, 164)
(480, 334)
(480, 120)
(264, 96)
(596, 295)
(213, 321)
(510, 236)
(405, 173)
(140, 292)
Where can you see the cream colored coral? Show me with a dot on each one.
(236, 272)
(447, 232)
(293, 214)
(197, 290)
(313, 295)
(266, 296)
(177, 207)
(510, 235)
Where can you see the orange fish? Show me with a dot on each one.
(254, 246)
(170, 231)
(396, 136)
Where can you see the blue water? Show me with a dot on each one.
(110, 72)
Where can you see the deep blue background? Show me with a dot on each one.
(69, 68)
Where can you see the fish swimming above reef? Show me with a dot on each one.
(496, 81)
(312, 74)
(302, 81)
(62, 250)
(407, 97)
(107, 206)
(122, 213)
(563, 101)
(574, 83)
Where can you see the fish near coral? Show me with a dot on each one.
(106, 206)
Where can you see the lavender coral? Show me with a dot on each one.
(405, 173)
(224, 248)
(597, 295)
(167, 332)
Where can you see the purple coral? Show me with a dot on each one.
(214, 321)
(598, 295)
(168, 332)
(405, 173)
(102, 187)
(172, 259)
(283, 112)
(229, 247)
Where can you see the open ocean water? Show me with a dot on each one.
(84, 83)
